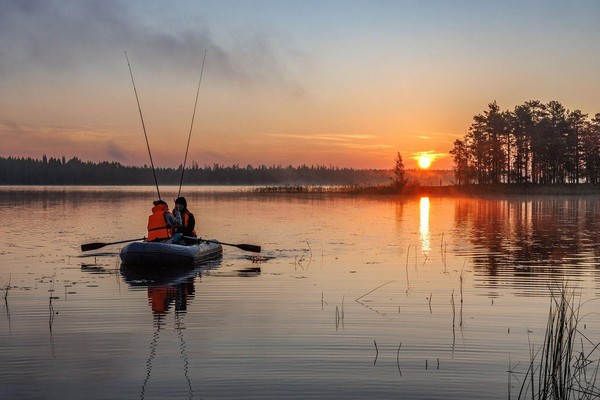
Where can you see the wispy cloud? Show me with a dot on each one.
(56, 141)
(57, 38)
(428, 135)
(429, 154)
(340, 141)
(326, 137)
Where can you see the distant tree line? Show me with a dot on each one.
(60, 171)
(534, 143)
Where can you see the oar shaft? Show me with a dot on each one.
(247, 247)
(99, 245)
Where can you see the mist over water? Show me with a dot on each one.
(352, 297)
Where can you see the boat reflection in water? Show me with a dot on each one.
(140, 275)
(167, 286)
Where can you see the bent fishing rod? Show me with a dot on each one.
(191, 126)
(143, 127)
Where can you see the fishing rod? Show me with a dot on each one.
(143, 127)
(191, 126)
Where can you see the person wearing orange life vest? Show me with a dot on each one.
(160, 222)
(186, 222)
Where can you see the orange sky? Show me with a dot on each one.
(347, 84)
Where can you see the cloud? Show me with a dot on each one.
(324, 137)
(347, 142)
(430, 154)
(53, 38)
(57, 141)
(116, 153)
(47, 35)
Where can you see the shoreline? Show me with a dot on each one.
(410, 190)
(439, 191)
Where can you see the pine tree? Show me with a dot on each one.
(399, 172)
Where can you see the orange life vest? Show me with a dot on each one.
(158, 297)
(161, 297)
(185, 221)
(157, 226)
(185, 216)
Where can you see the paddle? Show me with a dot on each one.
(246, 247)
(99, 245)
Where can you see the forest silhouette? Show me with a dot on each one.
(60, 171)
(535, 143)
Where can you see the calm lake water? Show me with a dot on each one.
(351, 298)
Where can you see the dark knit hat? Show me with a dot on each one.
(182, 201)
(157, 202)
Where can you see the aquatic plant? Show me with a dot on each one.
(559, 370)
(7, 288)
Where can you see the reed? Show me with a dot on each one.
(339, 314)
(407, 280)
(302, 189)
(557, 370)
(376, 352)
(453, 309)
(398, 359)
(442, 250)
(298, 261)
(50, 306)
(387, 283)
(453, 319)
(461, 295)
(310, 250)
(430, 296)
(445, 257)
(7, 288)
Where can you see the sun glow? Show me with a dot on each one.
(424, 160)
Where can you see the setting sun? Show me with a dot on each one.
(424, 161)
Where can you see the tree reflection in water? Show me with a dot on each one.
(530, 241)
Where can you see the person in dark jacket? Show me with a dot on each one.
(186, 223)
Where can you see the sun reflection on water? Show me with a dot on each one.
(424, 234)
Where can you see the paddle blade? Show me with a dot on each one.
(249, 247)
(92, 246)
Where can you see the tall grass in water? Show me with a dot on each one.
(560, 369)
